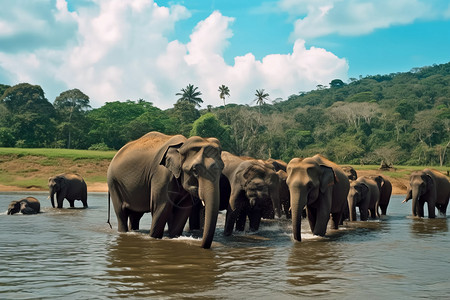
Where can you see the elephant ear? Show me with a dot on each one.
(430, 183)
(327, 179)
(363, 189)
(172, 160)
(380, 181)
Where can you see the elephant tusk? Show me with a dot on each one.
(404, 201)
(203, 202)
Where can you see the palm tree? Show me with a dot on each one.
(224, 91)
(190, 95)
(261, 98)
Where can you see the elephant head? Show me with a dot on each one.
(55, 184)
(357, 195)
(310, 184)
(260, 185)
(14, 207)
(198, 165)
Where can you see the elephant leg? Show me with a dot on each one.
(122, 218)
(179, 217)
(60, 199)
(160, 215)
(337, 219)
(311, 213)
(241, 220)
(383, 208)
(254, 218)
(194, 217)
(419, 209)
(322, 218)
(134, 217)
(230, 219)
(71, 203)
(84, 201)
(431, 210)
(363, 212)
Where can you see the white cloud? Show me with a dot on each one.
(119, 49)
(317, 18)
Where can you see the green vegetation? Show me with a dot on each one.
(401, 119)
(55, 153)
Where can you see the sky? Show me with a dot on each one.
(118, 50)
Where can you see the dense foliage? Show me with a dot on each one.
(401, 118)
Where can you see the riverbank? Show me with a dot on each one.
(31, 172)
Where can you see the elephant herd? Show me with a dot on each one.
(178, 179)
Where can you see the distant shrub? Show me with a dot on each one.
(99, 147)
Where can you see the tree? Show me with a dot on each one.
(261, 98)
(209, 126)
(110, 122)
(71, 106)
(224, 92)
(31, 115)
(185, 114)
(336, 83)
(190, 95)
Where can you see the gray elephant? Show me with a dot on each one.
(165, 175)
(428, 186)
(350, 172)
(365, 194)
(67, 186)
(27, 206)
(254, 192)
(280, 167)
(385, 188)
(321, 186)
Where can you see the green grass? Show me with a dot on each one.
(55, 153)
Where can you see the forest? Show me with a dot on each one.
(399, 119)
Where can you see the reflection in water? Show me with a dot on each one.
(141, 266)
(314, 267)
(421, 227)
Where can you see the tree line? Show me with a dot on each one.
(399, 118)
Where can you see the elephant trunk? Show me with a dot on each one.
(415, 201)
(351, 209)
(210, 194)
(298, 202)
(52, 196)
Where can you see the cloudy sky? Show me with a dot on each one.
(131, 49)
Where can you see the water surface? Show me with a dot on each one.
(72, 253)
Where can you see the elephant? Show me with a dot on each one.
(280, 167)
(27, 206)
(365, 194)
(350, 172)
(428, 186)
(321, 186)
(165, 175)
(254, 192)
(67, 186)
(385, 188)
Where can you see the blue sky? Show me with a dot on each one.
(130, 49)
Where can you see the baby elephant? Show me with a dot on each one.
(27, 206)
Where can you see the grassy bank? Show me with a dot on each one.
(31, 168)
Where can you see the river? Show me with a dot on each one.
(73, 254)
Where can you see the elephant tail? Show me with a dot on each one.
(109, 210)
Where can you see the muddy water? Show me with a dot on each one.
(73, 254)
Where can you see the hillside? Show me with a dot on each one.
(399, 118)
